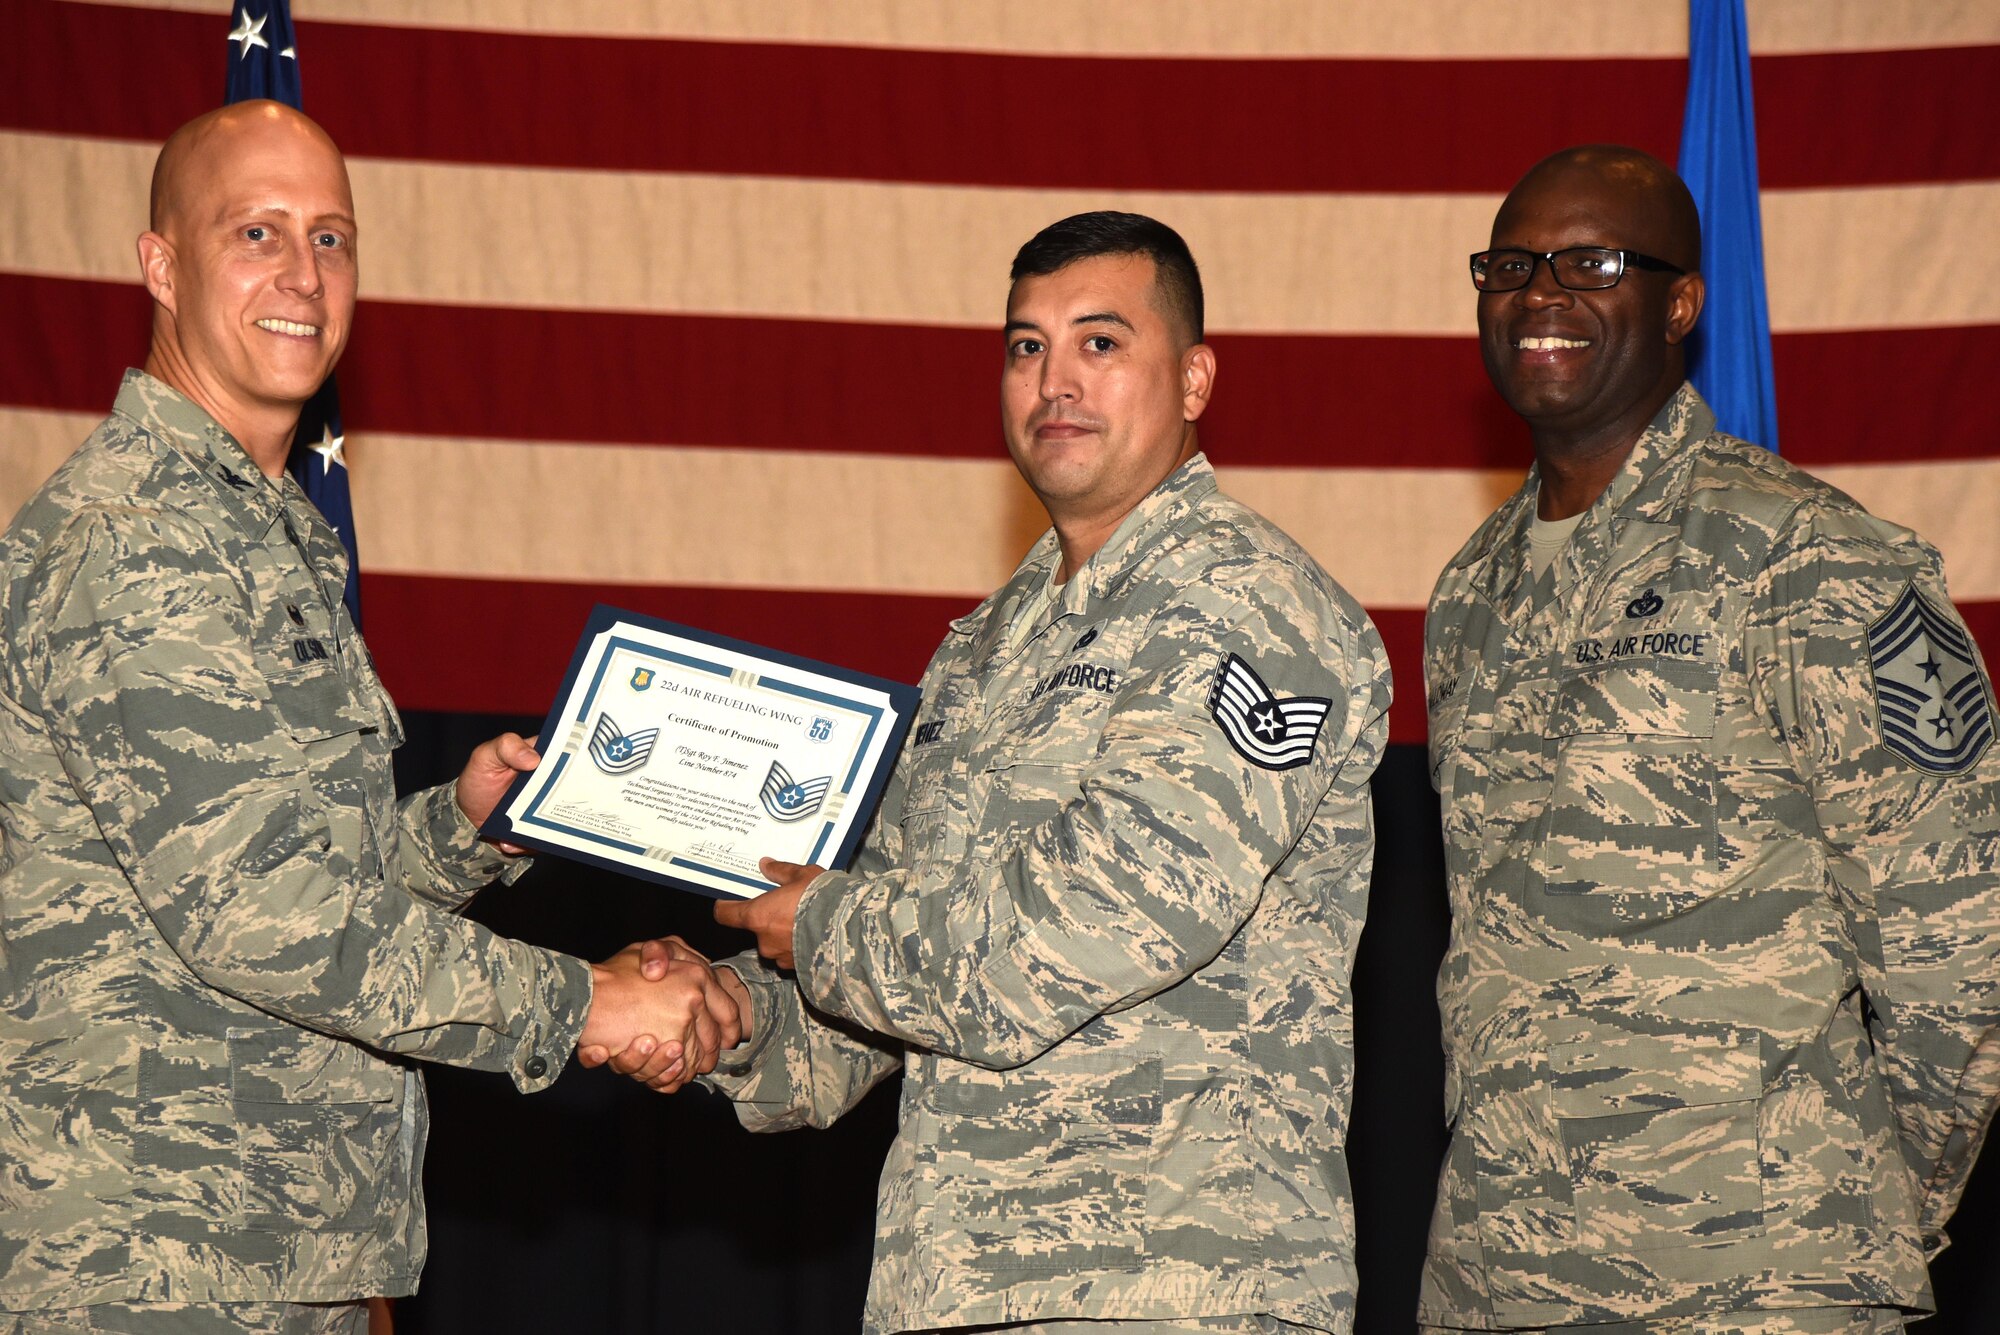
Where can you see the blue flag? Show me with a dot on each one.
(1729, 354)
(264, 62)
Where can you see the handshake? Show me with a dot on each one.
(660, 1013)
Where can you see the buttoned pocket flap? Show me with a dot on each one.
(300, 1066)
(1644, 1073)
(1032, 750)
(1650, 698)
(1074, 1087)
(314, 700)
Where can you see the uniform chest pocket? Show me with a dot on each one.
(1036, 782)
(1451, 737)
(928, 779)
(1629, 834)
(1447, 722)
(312, 700)
(1661, 1135)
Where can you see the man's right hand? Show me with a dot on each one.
(667, 1028)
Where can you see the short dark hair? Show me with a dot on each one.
(1085, 236)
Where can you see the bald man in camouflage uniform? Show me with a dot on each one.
(1106, 918)
(1722, 820)
(222, 933)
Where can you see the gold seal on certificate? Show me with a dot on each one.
(684, 757)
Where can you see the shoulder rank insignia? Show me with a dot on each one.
(1268, 730)
(1929, 693)
(615, 753)
(787, 799)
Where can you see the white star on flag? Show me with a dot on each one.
(247, 33)
(330, 450)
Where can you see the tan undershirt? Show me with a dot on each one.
(1547, 537)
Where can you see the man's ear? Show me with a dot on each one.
(1197, 380)
(1684, 300)
(156, 266)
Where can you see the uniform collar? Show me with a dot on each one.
(1646, 489)
(253, 501)
(1134, 538)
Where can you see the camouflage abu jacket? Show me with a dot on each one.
(1722, 822)
(1106, 922)
(217, 920)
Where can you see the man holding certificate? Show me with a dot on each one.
(1106, 917)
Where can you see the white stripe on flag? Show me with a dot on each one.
(431, 506)
(925, 254)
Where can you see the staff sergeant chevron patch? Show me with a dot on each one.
(615, 753)
(1266, 730)
(1934, 704)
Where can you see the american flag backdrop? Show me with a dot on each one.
(693, 307)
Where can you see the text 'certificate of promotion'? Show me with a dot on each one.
(684, 757)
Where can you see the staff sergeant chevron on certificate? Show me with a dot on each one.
(684, 757)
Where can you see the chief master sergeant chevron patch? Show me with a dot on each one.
(1934, 704)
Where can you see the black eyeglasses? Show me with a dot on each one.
(1580, 268)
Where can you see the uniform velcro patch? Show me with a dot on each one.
(1929, 693)
(1268, 730)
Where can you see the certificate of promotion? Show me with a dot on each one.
(684, 757)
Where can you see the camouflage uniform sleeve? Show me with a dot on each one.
(152, 694)
(1143, 877)
(798, 1068)
(1913, 849)
(441, 858)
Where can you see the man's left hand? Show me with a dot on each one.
(489, 773)
(770, 914)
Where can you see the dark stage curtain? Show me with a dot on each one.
(597, 1206)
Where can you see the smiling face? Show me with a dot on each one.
(1100, 390)
(1591, 369)
(252, 264)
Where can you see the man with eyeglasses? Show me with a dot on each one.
(1722, 822)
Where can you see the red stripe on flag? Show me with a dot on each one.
(1402, 630)
(477, 646)
(488, 647)
(495, 647)
(860, 113)
(1285, 401)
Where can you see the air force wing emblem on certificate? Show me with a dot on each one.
(614, 752)
(1933, 702)
(1276, 732)
(787, 799)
